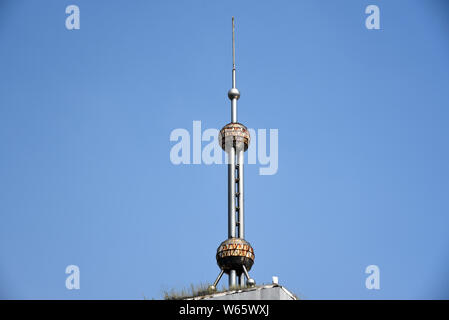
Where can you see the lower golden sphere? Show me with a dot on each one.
(233, 254)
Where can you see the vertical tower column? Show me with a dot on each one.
(234, 99)
(231, 193)
(231, 207)
(232, 167)
(240, 197)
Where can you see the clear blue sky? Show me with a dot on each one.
(85, 120)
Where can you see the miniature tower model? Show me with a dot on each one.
(235, 256)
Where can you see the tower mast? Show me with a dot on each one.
(233, 101)
(235, 256)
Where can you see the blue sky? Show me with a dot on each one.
(85, 171)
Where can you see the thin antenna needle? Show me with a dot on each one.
(233, 44)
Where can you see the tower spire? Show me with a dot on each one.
(234, 93)
(235, 256)
(233, 53)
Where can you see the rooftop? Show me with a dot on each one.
(264, 292)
